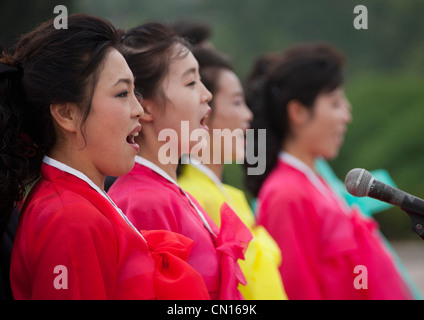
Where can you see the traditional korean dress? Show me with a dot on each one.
(326, 245)
(263, 256)
(151, 199)
(73, 242)
(370, 207)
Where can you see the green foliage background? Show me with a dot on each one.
(385, 66)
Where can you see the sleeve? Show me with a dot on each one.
(74, 255)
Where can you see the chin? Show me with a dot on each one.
(331, 155)
(239, 153)
(122, 170)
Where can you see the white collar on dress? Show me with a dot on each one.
(63, 167)
(155, 168)
(144, 162)
(210, 174)
(312, 177)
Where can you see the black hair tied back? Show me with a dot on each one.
(12, 159)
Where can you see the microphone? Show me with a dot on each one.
(361, 183)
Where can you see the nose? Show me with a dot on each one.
(137, 108)
(207, 95)
(348, 111)
(249, 114)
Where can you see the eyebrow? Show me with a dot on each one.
(191, 70)
(125, 80)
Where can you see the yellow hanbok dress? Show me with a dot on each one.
(263, 256)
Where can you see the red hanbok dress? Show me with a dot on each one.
(73, 242)
(151, 199)
(330, 251)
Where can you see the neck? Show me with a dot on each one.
(169, 168)
(150, 149)
(217, 169)
(75, 161)
(300, 153)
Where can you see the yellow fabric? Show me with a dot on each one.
(262, 257)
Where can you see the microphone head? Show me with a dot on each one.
(358, 182)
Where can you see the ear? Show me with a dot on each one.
(297, 112)
(148, 107)
(66, 115)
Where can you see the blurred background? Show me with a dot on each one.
(385, 66)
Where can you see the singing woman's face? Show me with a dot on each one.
(186, 105)
(230, 118)
(324, 134)
(112, 123)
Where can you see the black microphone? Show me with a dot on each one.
(361, 183)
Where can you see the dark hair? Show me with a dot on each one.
(48, 66)
(149, 49)
(211, 63)
(301, 73)
(256, 77)
(194, 32)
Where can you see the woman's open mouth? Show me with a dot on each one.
(131, 138)
(203, 120)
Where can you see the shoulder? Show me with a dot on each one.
(144, 190)
(288, 191)
(207, 194)
(238, 197)
(62, 221)
(148, 202)
(286, 184)
(235, 193)
(55, 206)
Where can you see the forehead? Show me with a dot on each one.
(183, 64)
(229, 82)
(336, 93)
(115, 67)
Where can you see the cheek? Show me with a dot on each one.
(108, 125)
(224, 120)
(239, 149)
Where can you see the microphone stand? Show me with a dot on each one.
(417, 222)
(415, 210)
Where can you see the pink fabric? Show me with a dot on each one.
(232, 242)
(321, 244)
(151, 202)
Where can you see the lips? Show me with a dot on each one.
(202, 121)
(131, 138)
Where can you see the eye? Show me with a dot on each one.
(123, 94)
(337, 103)
(191, 84)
